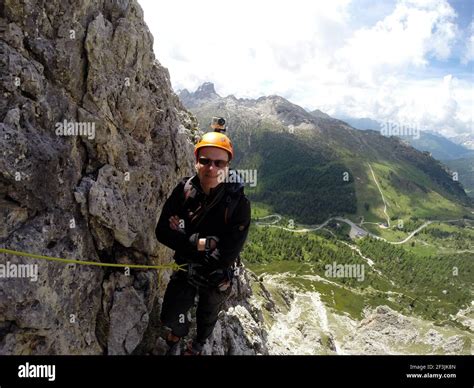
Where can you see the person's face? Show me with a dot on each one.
(209, 174)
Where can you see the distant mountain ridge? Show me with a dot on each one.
(312, 166)
(439, 146)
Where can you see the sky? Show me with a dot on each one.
(408, 61)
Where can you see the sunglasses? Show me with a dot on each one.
(218, 163)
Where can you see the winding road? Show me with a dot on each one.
(356, 230)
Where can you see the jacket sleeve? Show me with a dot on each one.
(172, 238)
(232, 241)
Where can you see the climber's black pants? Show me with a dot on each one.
(179, 298)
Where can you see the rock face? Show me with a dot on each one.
(385, 331)
(92, 142)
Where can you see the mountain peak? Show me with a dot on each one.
(320, 114)
(206, 90)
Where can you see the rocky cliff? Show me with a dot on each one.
(93, 139)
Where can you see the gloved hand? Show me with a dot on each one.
(212, 258)
(193, 239)
(175, 224)
(223, 286)
(220, 279)
(211, 243)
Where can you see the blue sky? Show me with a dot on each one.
(409, 61)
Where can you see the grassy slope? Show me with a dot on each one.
(465, 169)
(412, 195)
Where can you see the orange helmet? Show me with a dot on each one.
(215, 139)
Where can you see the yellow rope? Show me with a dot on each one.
(173, 266)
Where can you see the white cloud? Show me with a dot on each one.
(406, 37)
(248, 48)
(468, 55)
(309, 53)
(444, 105)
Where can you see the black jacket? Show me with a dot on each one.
(232, 235)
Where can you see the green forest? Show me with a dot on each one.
(432, 286)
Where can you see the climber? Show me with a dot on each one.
(205, 221)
